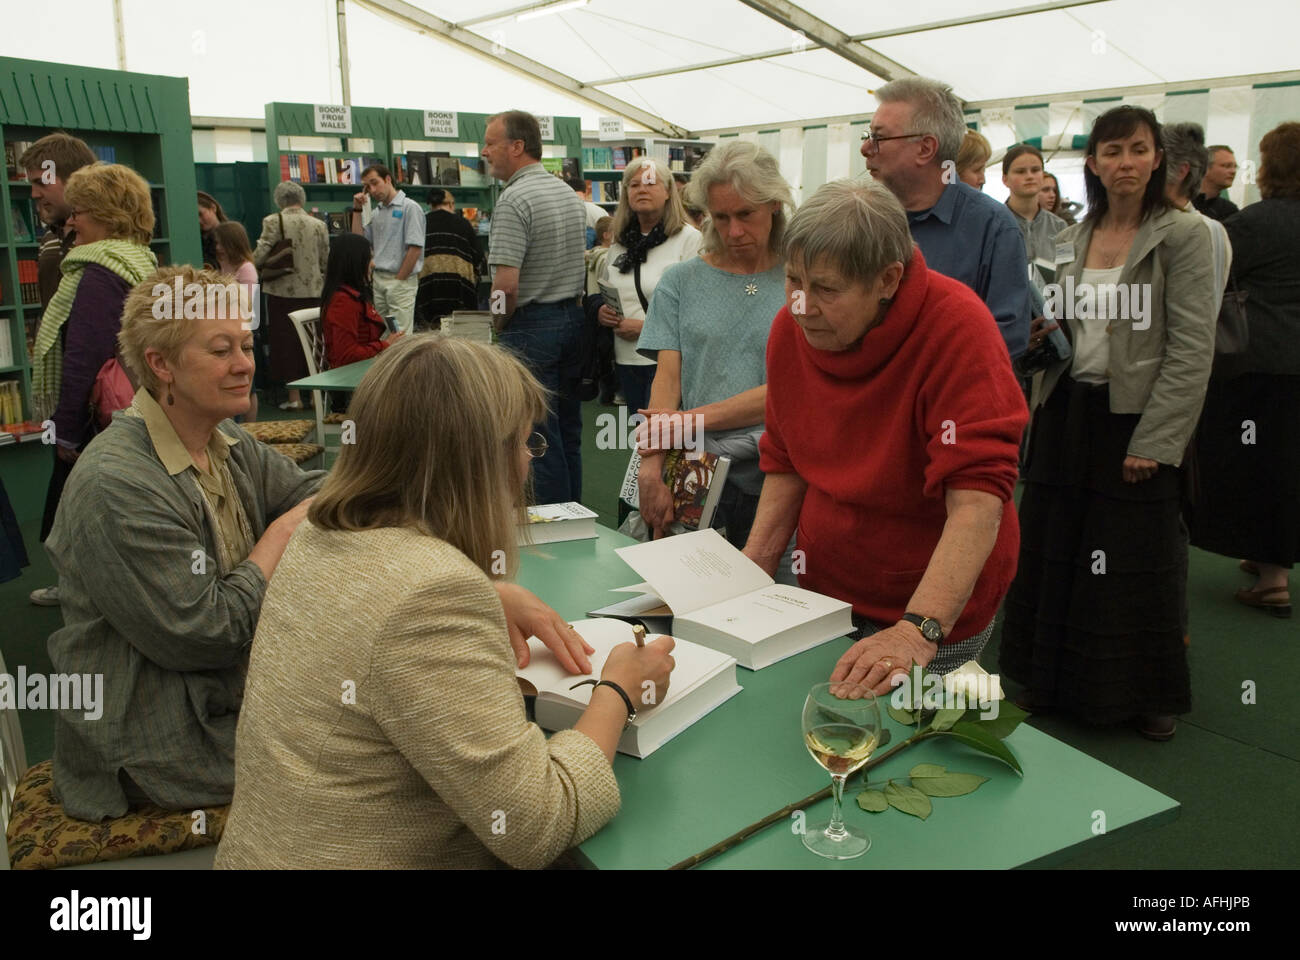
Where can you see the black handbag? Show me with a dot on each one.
(279, 262)
(1232, 333)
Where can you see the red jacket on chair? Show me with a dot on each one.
(353, 330)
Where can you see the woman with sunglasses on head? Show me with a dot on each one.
(1096, 618)
(393, 734)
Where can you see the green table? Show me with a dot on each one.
(747, 759)
(343, 378)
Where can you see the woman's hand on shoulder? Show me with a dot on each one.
(642, 672)
(528, 616)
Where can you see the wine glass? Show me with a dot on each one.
(841, 727)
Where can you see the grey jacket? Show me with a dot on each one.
(1160, 362)
(169, 634)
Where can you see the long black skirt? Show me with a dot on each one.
(1248, 446)
(288, 363)
(1096, 616)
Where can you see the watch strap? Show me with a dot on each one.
(917, 620)
(627, 701)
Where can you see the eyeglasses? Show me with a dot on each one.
(77, 213)
(870, 137)
(536, 445)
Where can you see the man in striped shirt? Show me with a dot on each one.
(536, 247)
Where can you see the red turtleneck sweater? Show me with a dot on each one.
(926, 401)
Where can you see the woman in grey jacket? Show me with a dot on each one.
(1096, 618)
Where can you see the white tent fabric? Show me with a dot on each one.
(719, 66)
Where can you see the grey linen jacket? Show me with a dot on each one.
(1159, 371)
(168, 631)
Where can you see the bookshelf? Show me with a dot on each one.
(135, 119)
(603, 161)
(327, 165)
(406, 136)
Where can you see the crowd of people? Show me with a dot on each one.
(878, 363)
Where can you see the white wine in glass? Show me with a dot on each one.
(841, 727)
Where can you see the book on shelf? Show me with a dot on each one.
(719, 598)
(418, 164)
(702, 680)
(473, 174)
(695, 483)
(338, 222)
(106, 154)
(447, 173)
(29, 288)
(556, 522)
(14, 149)
(6, 346)
(20, 222)
(470, 214)
(11, 409)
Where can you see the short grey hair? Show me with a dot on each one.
(935, 110)
(289, 194)
(754, 174)
(858, 227)
(1185, 143)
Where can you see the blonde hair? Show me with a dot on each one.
(152, 319)
(116, 196)
(451, 474)
(674, 215)
(975, 151)
(754, 174)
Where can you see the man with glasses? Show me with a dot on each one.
(536, 250)
(963, 233)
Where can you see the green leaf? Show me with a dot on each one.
(904, 717)
(949, 784)
(926, 770)
(908, 799)
(985, 742)
(944, 719)
(873, 801)
(1009, 717)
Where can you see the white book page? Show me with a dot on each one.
(551, 512)
(693, 570)
(694, 663)
(766, 613)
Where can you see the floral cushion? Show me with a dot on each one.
(298, 452)
(280, 431)
(335, 418)
(42, 837)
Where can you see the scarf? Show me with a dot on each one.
(638, 246)
(130, 261)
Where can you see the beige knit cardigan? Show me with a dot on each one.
(382, 726)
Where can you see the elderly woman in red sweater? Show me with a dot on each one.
(893, 430)
(352, 327)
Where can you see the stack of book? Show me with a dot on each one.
(556, 522)
(11, 404)
(469, 325)
(610, 158)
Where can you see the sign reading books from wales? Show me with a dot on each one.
(441, 123)
(611, 128)
(333, 118)
(548, 128)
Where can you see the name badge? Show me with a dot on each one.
(1065, 252)
(398, 211)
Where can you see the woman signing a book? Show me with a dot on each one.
(393, 734)
(893, 432)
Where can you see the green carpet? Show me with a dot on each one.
(1234, 767)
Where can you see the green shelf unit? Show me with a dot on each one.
(145, 119)
(299, 120)
(241, 189)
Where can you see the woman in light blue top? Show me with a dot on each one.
(707, 329)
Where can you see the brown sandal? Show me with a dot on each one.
(1276, 600)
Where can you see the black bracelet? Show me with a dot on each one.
(627, 701)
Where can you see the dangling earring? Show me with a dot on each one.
(171, 401)
(886, 301)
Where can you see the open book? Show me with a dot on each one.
(701, 680)
(556, 522)
(695, 482)
(721, 599)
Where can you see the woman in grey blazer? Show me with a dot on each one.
(1096, 618)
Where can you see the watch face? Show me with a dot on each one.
(931, 630)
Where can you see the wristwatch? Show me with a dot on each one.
(627, 701)
(928, 626)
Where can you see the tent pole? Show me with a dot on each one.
(120, 34)
(343, 53)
